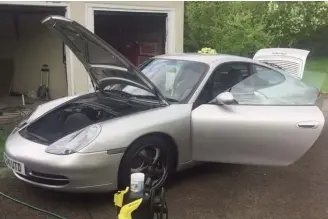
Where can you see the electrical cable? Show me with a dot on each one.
(158, 206)
(21, 115)
(160, 210)
(18, 114)
(32, 207)
(15, 115)
(9, 116)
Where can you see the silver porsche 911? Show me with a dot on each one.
(161, 117)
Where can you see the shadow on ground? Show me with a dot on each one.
(207, 191)
(99, 205)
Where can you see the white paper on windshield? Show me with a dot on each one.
(169, 81)
(170, 76)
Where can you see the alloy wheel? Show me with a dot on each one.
(151, 161)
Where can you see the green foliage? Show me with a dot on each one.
(2, 146)
(207, 51)
(316, 73)
(291, 22)
(244, 27)
(228, 27)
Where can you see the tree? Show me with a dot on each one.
(291, 22)
(244, 27)
(228, 27)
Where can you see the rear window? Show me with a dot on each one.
(270, 87)
(266, 76)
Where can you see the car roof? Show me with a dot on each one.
(205, 58)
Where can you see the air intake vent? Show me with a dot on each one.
(46, 179)
(291, 67)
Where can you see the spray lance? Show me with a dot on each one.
(144, 199)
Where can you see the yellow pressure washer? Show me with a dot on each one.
(148, 204)
(144, 199)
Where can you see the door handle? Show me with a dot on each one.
(309, 125)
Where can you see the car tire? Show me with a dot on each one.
(168, 155)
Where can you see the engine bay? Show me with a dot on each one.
(76, 115)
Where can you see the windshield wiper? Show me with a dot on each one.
(38, 137)
(127, 95)
(119, 93)
(172, 100)
(155, 98)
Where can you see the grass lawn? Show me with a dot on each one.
(2, 147)
(316, 73)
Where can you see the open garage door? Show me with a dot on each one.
(137, 35)
(27, 50)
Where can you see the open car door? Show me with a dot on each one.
(269, 118)
(288, 59)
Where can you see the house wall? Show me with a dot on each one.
(77, 13)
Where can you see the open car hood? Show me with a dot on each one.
(105, 65)
(288, 59)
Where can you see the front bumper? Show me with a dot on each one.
(78, 172)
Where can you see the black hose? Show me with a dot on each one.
(32, 207)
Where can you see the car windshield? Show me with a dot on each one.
(176, 79)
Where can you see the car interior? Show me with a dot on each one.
(184, 83)
(222, 79)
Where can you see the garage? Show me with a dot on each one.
(28, 54)
(139, 30)
(138, 36)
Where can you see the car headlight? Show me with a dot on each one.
(74, 142)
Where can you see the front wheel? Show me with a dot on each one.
(150, 155)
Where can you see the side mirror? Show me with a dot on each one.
(225, 98)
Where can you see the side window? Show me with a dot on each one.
(266, 77)
(270, 87)
(228, 75)
(223, 78)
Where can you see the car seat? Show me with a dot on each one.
(227, 81)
